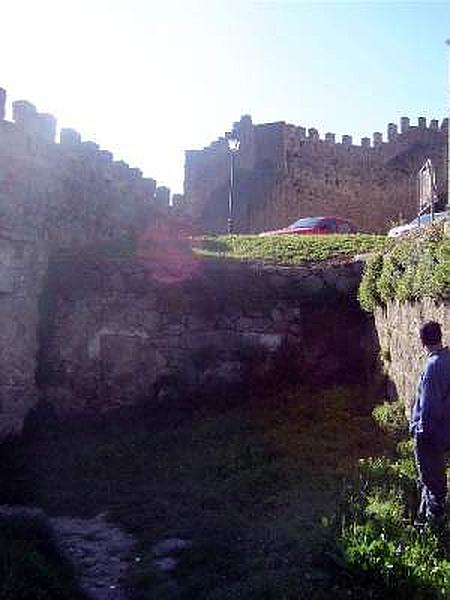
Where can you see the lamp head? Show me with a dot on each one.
(233, 143)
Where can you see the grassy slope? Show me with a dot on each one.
(285, 497)
(256, 488)
(288, 249)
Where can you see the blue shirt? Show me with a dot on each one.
(431, 410)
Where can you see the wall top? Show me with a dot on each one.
(394, 134)
(30, 124)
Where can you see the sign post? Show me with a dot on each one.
(427, 189)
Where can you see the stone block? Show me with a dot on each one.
(270, 341)
(392, 132)
(345, 284)
(24, 113)
(404, 124)
(69, 137)
(7, 280)
(312, 284)
(377, 138)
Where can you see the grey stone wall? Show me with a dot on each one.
(401, 351)
(119, 337)
(284, 172)
(52, 197)
(22, 267)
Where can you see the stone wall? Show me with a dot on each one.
(52, 196)
(284, 172)
(119, 336)
(401, 351)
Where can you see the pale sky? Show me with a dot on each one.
(148, 79)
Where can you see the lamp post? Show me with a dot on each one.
(233, 147)
(448, 125)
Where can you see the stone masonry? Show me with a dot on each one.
(90, 321)
(402, 354)
(119, 336)
(52, 197)
(284, 172)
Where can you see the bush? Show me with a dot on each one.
(368, 294)
(408, 269)
(391, 418)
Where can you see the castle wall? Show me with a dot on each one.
(134, 339)
(53, 197)
(285, 172)
(402, 354)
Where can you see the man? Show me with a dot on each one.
(430, 425)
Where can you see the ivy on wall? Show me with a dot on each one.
(408, 269)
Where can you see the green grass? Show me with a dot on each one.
(288, 249)
(380, 547)
(284, 249)
(285, 496)
(251, 485)
(30, 567)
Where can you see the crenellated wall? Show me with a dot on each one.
(53, 196)
(284, 172)
(89, 323)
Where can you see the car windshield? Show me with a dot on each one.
(425, 219)
(306, 223)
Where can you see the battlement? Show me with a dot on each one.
(272, 144)
(69, 192)
(35, 133)
(285, 171)
(393, 134)
(55, 198)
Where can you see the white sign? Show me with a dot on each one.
(427, 186)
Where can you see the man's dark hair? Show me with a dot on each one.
(431, 333)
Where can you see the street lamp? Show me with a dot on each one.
(233, 147)
(448, 126)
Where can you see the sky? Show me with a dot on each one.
(149, 79)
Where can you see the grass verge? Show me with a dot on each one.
(288, 249)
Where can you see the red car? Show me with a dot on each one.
(315, 226)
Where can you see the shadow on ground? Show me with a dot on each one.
(258, 490)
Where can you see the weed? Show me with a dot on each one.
(390, 416)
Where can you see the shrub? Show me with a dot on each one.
(368, 294)
(391, 418)
(408, 269)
